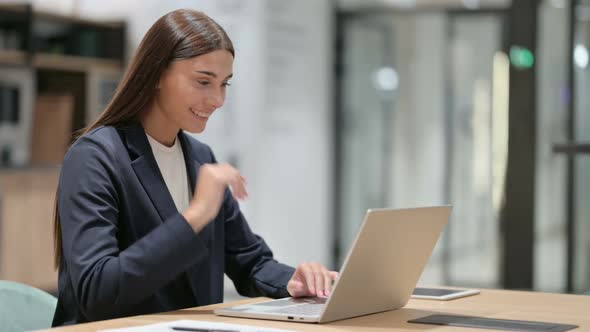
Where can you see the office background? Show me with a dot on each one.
(336, 107)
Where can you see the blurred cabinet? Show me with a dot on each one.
(101, 84)
(43, 53)
(57, 74)
(17, 87)
(26, 228)
(52, 128)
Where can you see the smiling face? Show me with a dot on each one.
(190, 90)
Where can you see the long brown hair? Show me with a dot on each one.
(181, 34)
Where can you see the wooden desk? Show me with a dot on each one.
(555, 308)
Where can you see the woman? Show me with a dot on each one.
(144, 218)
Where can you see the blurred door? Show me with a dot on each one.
(563, 179)
(363, 123)
(414, 128)
(579, 279)
(473, 233)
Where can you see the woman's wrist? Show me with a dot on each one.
(195, 219)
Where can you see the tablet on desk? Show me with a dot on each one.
(441, 294)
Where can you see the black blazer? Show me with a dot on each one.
(128, 251)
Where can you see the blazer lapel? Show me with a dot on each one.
(192, 168)
(146, 168)
(199, 276)
(192, 164)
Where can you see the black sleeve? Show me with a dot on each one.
(105, 279)
(249, 262)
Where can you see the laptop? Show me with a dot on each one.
(379, 274)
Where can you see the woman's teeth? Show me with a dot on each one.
(202, 115)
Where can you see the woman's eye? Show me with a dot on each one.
(226, 84)
(204, 82)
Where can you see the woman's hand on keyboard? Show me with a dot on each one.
(311, 279)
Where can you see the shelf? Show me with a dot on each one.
(77, 20)
(48, 37)
(13, 57)
(54, 54)
(74, 63)
(56, 17)
(15, 8)
(37, 169)
(58, 61)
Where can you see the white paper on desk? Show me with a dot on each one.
(196, 324)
